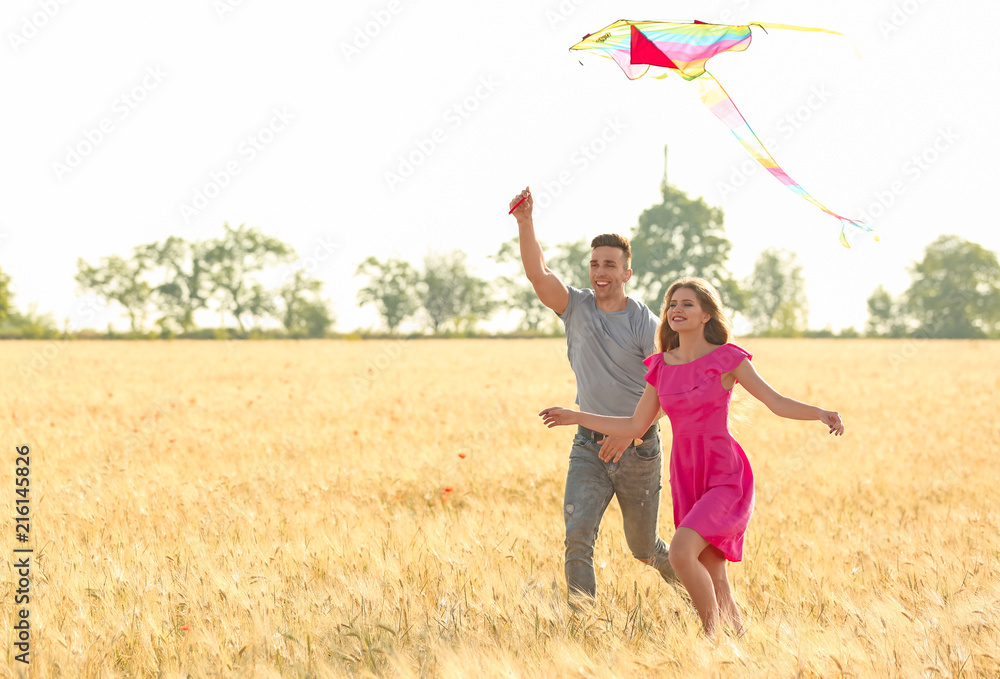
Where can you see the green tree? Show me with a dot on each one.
(450, 294)
(28, 325)
(120, 280)
(315, 317)
(777, 305)
(260, 304)
(304, 312)
(233, 260)
(33, 325)
(186, 284)
(955, 290)
(5, 297)
(678, 237)
(571, 262)
(518, 295)
(884, 315)
(391, 288)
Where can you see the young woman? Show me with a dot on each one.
(711, 482)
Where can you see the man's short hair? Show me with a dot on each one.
(615, 241)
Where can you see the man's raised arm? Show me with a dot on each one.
(548, 286)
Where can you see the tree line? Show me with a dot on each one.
(954, 290)
(176, 278)
(171, 281)
(954, 293)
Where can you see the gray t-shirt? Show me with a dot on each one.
(606, 350)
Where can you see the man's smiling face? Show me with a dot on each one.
(608, 273)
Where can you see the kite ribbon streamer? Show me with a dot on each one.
(718, 101)
(685, 48)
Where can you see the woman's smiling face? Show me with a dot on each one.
(685, 312)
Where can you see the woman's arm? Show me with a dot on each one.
(646, 412)
(782, 406)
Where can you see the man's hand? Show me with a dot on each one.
(550, 289)
(612, 447)
(523, 211)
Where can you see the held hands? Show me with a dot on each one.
(612, 447)
(523, 211)
(832, 419)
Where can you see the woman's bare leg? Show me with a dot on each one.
(715, 563)
(685, 549)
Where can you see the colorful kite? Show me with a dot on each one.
(685, 48)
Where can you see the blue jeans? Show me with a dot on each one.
(590, 484)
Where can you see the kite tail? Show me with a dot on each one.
(718, 102)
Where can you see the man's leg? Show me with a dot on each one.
(638, 485)
(588, 492)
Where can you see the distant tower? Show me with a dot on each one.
(663, 185)
(664, 165)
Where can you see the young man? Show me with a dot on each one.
(607, 336)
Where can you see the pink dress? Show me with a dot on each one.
(710, 478)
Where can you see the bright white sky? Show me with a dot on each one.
(488, 98)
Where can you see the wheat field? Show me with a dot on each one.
(394, 508)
